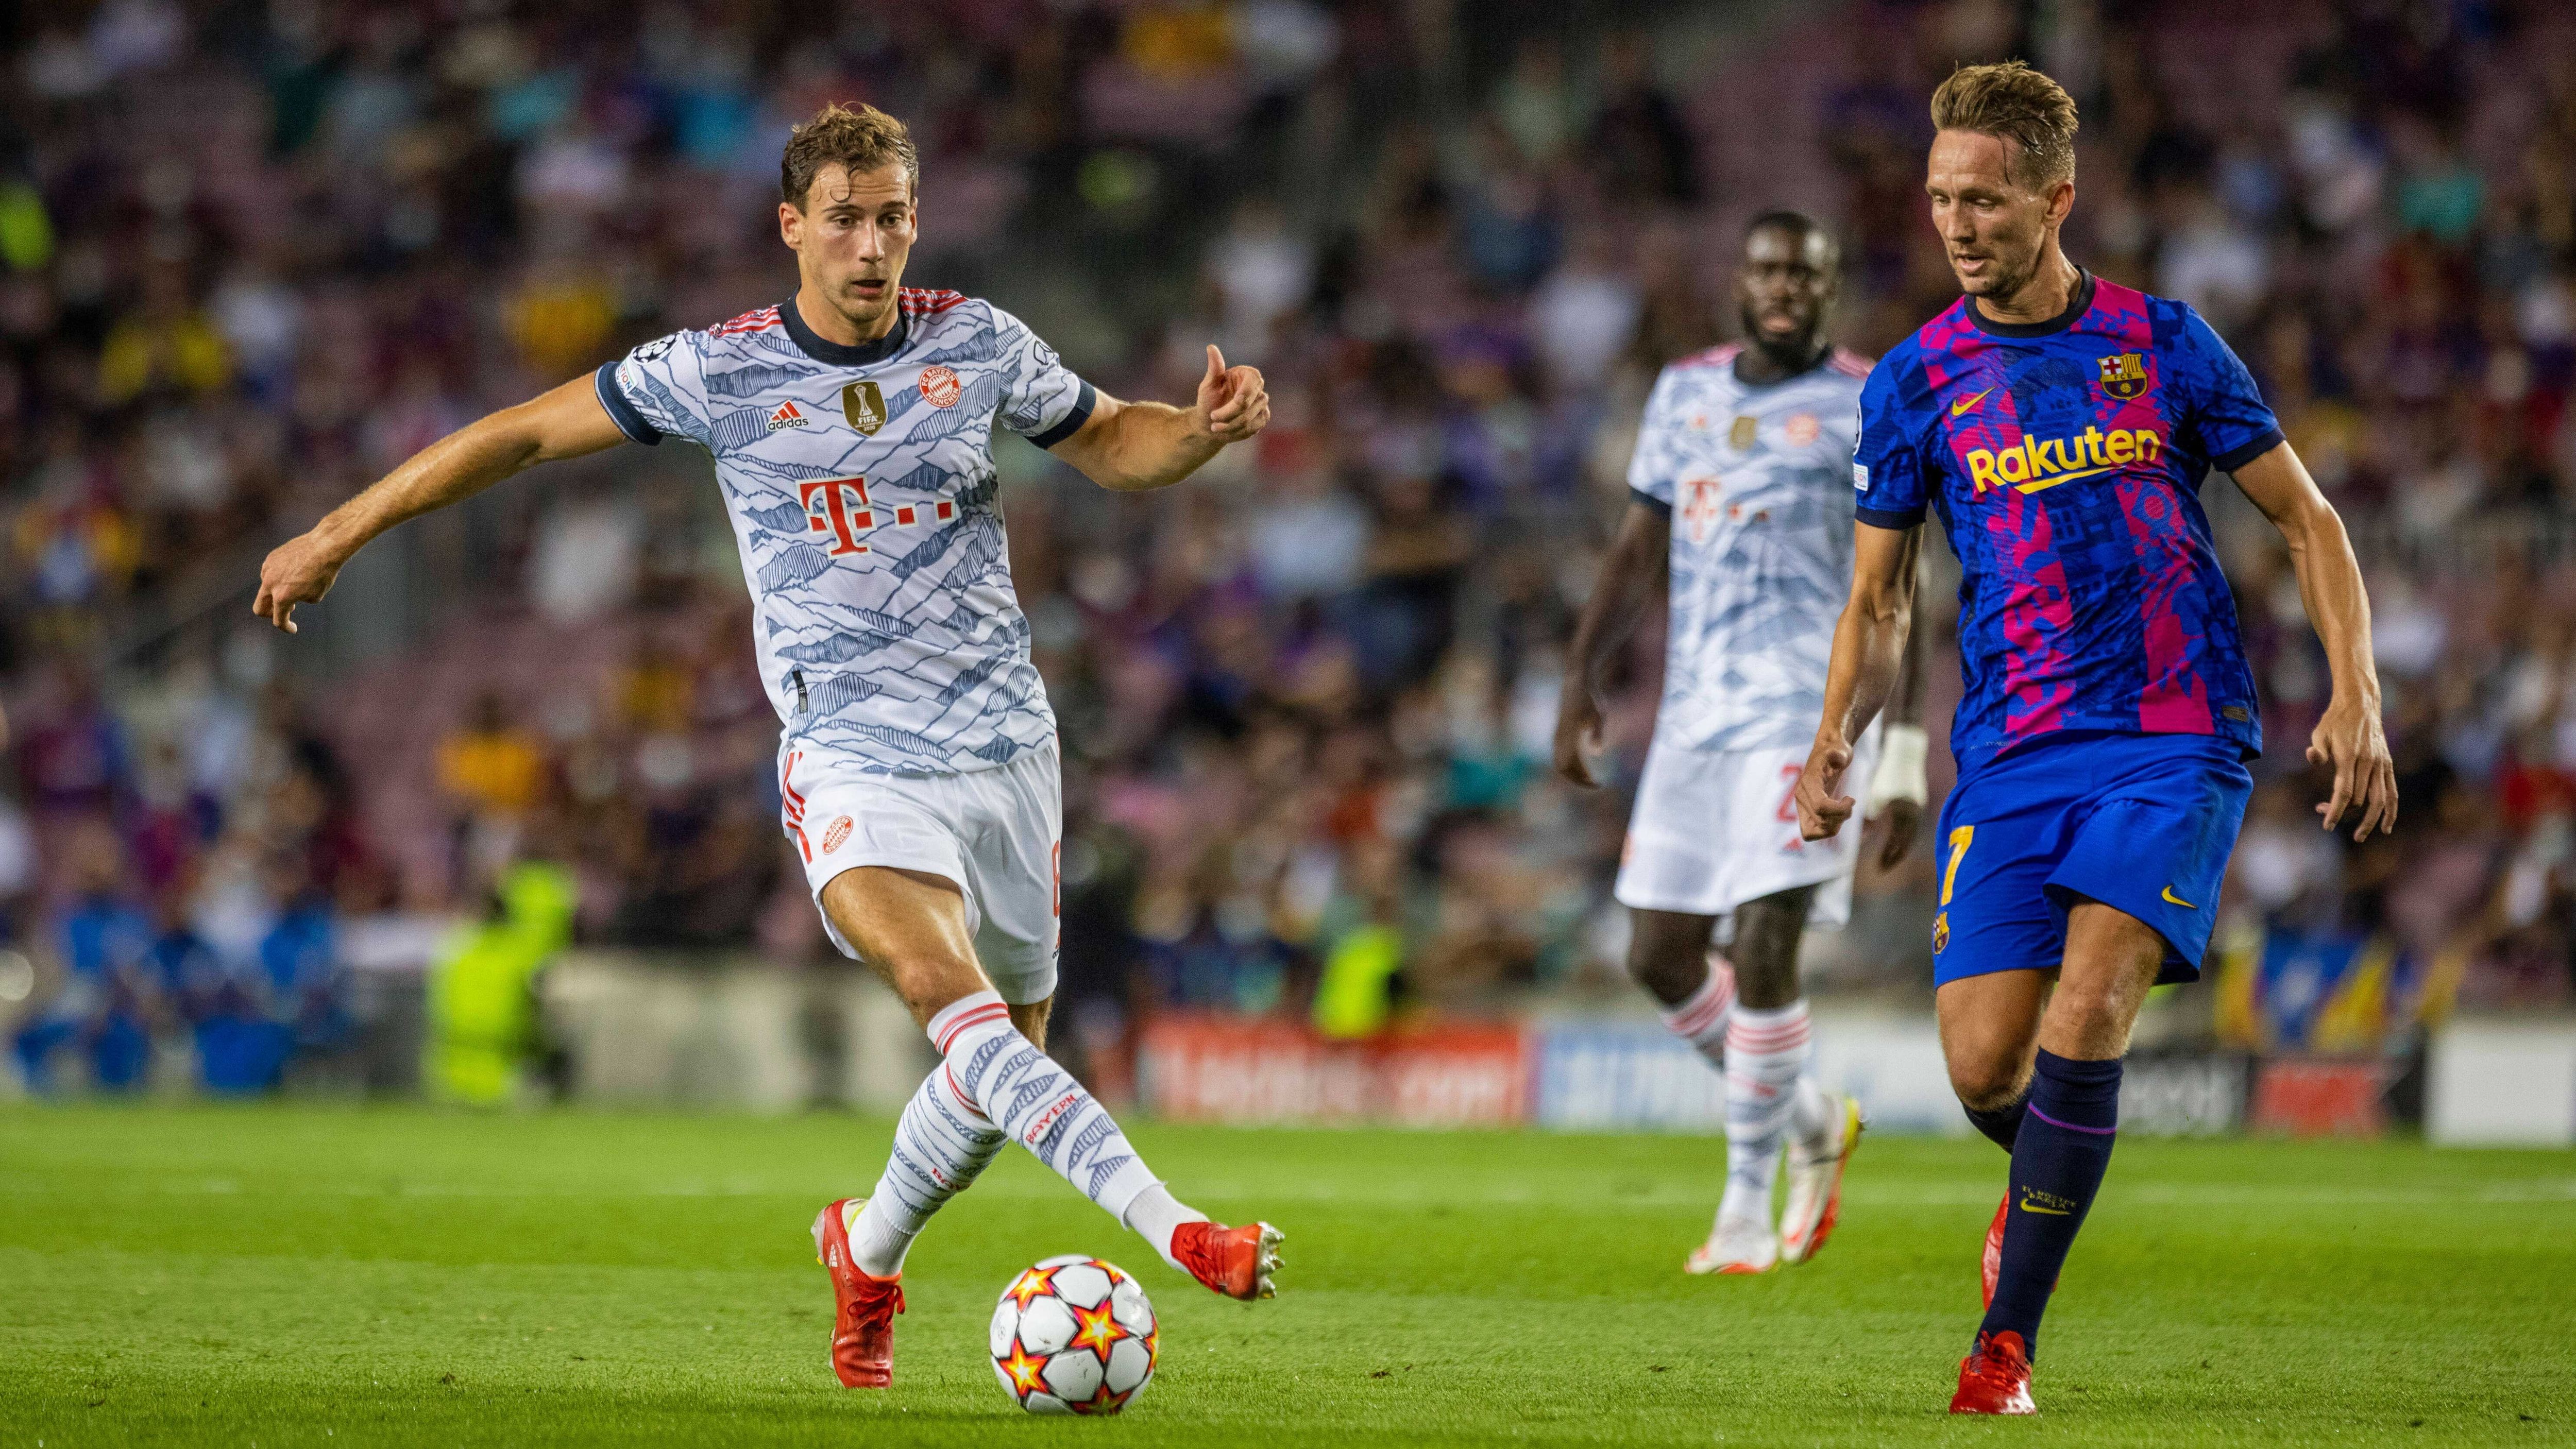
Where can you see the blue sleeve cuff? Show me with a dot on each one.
(1889, 518)
(2235, 458)
(621, 412)
(1662, 509)
(1071, 422)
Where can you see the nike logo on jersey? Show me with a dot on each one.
(2173, 899)
(1964, 404)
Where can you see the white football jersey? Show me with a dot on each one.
(861, 486)
(1758, 484)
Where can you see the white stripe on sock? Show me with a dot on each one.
(1702, 1019)
(1766, 1053)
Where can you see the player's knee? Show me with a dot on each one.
(1668, 965)
(929, 977)
(1986, 1083)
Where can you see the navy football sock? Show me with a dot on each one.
(2057, 1165)
(2000, 1124)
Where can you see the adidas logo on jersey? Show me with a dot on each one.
(788, 415)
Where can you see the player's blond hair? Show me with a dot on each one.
(2014, 103)
(856, 140)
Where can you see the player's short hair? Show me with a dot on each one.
(860, 139)
(1797, 223)
(2014, 103)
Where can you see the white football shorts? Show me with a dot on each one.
(1716, 828)
(996, 833)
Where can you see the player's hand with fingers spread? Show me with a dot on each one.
(298, 571)
(1578, 733)
(1822, 807)
(1233, 403)
(2351, 738)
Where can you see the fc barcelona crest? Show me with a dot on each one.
(2124, 375)
(864, 405)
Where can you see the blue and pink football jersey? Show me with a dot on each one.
(2065, 459)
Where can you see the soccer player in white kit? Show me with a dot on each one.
(1742, 492)
(851, 430)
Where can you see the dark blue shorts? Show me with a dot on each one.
(2141, 823)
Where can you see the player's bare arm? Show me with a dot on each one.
(1869, 652)
(1897, 792)
(565, 422)
(2350, 736)
(1136, 447)
(1639, 556)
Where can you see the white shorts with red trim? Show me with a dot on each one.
(1714, 829)
(996, 833)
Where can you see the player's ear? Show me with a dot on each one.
(791, 225)
(2061, 201)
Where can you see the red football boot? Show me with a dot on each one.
(1236, 1262)
(1994, 1264)
(864, 1306)
(1995, 1377)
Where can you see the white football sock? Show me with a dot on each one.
(1766, 1053)
(1701, 1020)
(1157, 1214)
(1037, 1103)
(941, 1144)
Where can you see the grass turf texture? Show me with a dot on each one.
(319, 1276)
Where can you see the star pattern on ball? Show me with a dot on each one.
(1027, 1374)
(1096, 1329)
(1035, 1283)
(1101, 1401)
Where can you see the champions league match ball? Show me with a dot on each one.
(1074, 1335)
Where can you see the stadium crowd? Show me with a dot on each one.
(253, 255)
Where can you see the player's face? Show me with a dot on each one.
(1992, 226)
(851, 239)
(1785, 285)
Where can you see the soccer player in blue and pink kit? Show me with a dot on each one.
(2061, 426)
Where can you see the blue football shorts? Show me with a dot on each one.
(2141, 823)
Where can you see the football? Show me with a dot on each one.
(1074, 1335)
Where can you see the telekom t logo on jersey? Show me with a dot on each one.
(840, 507)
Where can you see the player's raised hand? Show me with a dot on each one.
(1233, 401)
(2351, 738)
(1822, 807)
(1578, 733)
(298, 571)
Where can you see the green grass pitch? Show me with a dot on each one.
(318, 1276)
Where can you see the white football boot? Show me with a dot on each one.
(1737, 1245)
(1816, 1183)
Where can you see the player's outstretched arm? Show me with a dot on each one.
(1133, 447)
(1900, 788)
(1638, 559)
(564, 423)
(2350, 735)
(1869, 649)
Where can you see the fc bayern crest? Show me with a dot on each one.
(2124, 375)
(941, 387)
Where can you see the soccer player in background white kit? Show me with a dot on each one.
(851, 431)
(1742, 488)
